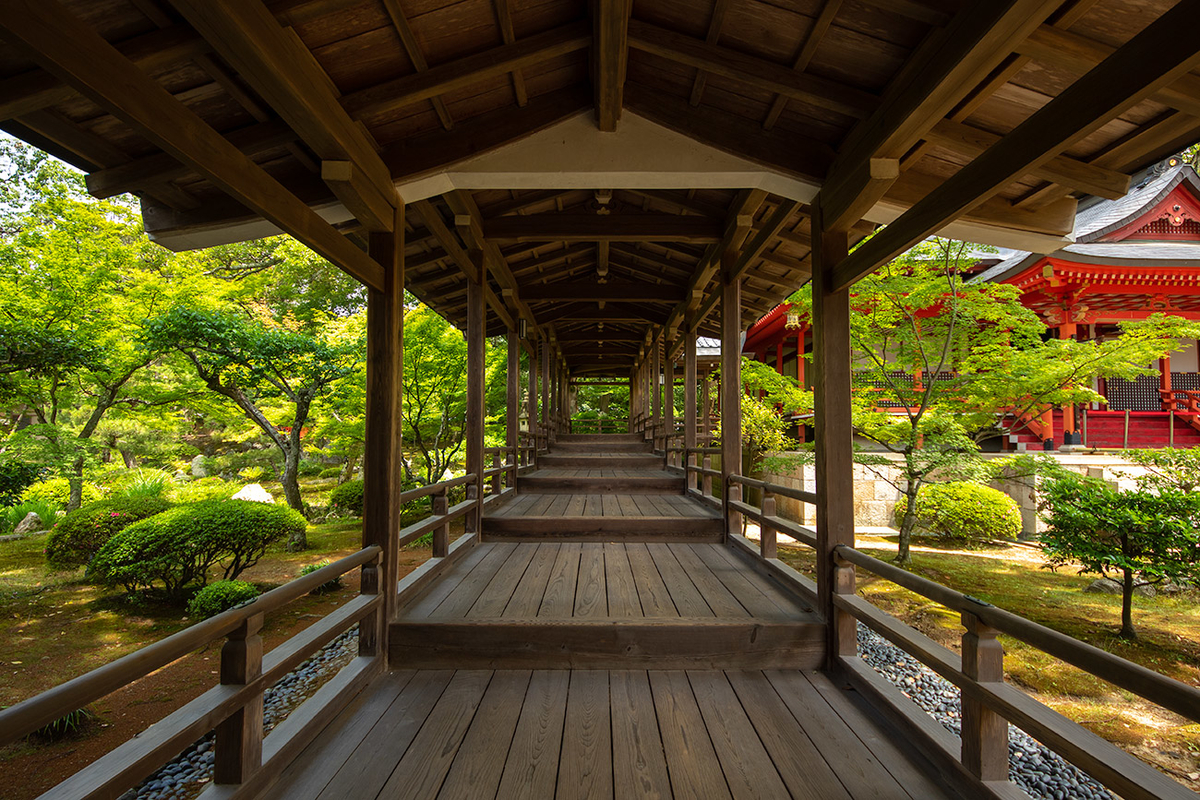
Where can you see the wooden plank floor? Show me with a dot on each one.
(599, 505)
(591, 579)
(608, 735)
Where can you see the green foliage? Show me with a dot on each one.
(348, 498)
(78, 536)
(1145, 535)
(69, 724)
(145, 483)
(435, 393)
(220, 596)
(178, 547)
(310, 469)
(960, 510)
(1169, 469)
(58, 491)
(331, 585)
(14, 477)
(330, 472)
(254, 474)
(210, 488)
(11, 517)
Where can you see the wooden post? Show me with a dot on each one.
(238, 750)
(497, 476)
(706, 480)
(706, 409)
(767, 536)
(441, 534)
(632, 402)
(834, 454)
(531, 409)
(668, 406)
(1069, 433)
(656, 388)
(544, 347)
(476, 368)
(689, 403)
(731, 388)
(984, 732)
(512, 398)
(383, 453)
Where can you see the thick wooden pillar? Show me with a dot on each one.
(544, 351)
(1070, 435)
(800, 355)
(512, 398)
(668, 403)
(531, 402)
(476, 372)
(731, 389)
(706, 408)
(631, 413)
(834, 454)
(383, 451)
(656, 388)
(689, 403)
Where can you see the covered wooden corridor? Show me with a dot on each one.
(601, 183)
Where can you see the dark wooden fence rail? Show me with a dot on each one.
(988, 703)
(234, 708)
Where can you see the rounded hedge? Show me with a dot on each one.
(78, 536)
(58, 490)
(330, 472)
(179, 546)
(964, 510)
(348, 498)
(220, 596)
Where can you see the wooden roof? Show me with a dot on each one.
(218, 113)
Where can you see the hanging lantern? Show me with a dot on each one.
(793, 320)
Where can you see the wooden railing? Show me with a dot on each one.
(598, 425)
(981, 752)
(701, 486)
(234, 708)
(246, 761)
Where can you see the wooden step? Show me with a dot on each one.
(660, 483)
(602, 529)
(607, 643)
(599, 438)
(600, 447)
(601, 461)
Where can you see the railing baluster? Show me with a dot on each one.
(844, 580)
(984, 732)
(733, 523)
(706, 478)
(238, 749)
(441, 534)
(370, 628)
(766, 532)
(496, 476)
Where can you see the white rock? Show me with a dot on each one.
(255, 494)
(31, 524)
(198, 468)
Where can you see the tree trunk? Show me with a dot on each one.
(348, 470)
(76, 482)
(291, 492)
(1127, 631)
(907, 523)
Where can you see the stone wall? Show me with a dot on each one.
(875, 498)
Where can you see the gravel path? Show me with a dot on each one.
(184, 777)
(1031, 765)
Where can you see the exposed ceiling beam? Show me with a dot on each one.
(280, 68)
(715, 23)
(944, 69)
(812, 40)
(750, 70)
(504, 19)
(78, 55)
(593, 334)
(593, 291)
(612, 312)
(786, 152)
(413, 48)
(464, 72)
(594, 228)
(610, 52)
(752, 250)
(1156, 57)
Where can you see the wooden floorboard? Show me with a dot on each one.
(585, 769)
(639, 764)
(591, 598)
(691, 760)
(479, 763)
(559, 598)
(622, 593)
(531, 769)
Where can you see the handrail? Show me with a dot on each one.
(774, 488)
(434, 488)
(1166, 692)
(28, 715)
(712, 451)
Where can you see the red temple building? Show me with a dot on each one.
(1129, 258)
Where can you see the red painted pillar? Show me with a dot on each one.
(1070, 436)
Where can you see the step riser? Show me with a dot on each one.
(536, 485)
(606, 643)
(603, 529)
(600, 462)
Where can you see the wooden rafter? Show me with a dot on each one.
(504, 19)
(413, 48)
(593, 228)
(79, 56)
(464, 72)
(938, 76)
(715, 23)
(1154, 58)
(812, 41)
(610, 50)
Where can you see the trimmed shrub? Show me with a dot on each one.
(58, 490)
(220, 596)
(329, 585)
(309, 469)
(330, 472)
(964, 511)
(15, 476)
(348, 498)
(179, 546)
(80, 534)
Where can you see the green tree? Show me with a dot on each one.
(939, 361)
(1145, 535)
(271, 374)
(435, 393)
